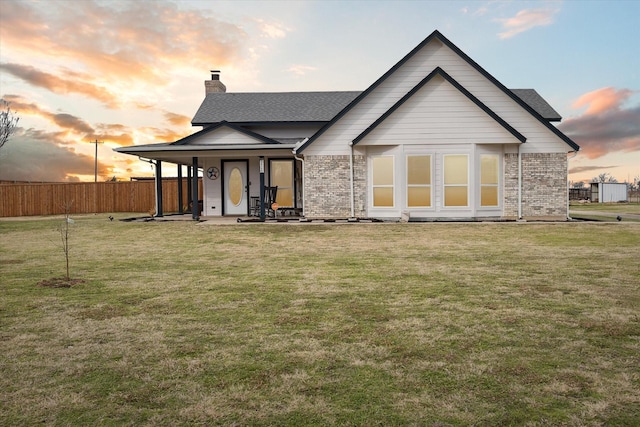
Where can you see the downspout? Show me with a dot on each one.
(519, 183)
(353, 212)
(301, 160)
(575, 153)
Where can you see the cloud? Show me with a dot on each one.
(272, 30)
(164, 135)
(177, 119)
(109, 50)
(301, 70)
(583, 169)
(601, 100)
(75, 128)
(31, 156)
(606, 126)
(72, 82)
(526, 20)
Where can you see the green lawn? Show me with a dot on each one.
(606, 212)
(180, 323)
(629, 208)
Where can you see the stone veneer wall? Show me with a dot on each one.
(327, 188)
(544, 185)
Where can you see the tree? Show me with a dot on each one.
(64, 234)
(604, 177)
(8, 122)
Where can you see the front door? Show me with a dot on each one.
(235, 188)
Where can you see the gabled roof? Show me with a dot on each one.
(440, 72)
(305, 107)
(271, 107)
(187, 139)
(437, 35)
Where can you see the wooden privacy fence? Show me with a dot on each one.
(90, 197)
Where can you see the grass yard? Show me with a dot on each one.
(605, 212)
(180, 323)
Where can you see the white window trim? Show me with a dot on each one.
(467, 185)
(497, 210)
(431, 180)
(373, 186)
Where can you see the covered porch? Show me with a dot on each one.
(237, 181)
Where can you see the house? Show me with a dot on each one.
(435, 137)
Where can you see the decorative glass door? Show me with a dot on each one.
(235, 188)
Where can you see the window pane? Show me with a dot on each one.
(419, 196)
(383, 170)
(284, 197)
(488, 195)
(455, 169)
(281, 173)
(455, 196)
(383, 196)
(488, 169)
(235, 186)
(419, 170)
(282, 177)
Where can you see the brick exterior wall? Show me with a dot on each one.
(544, 186)
(327, 188)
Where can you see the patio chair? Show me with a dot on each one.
(270, 194)
(254, 209)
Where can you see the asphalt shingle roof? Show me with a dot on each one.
(535, 101)
(264, 107)
(248, 107)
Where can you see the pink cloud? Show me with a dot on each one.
(68, 82)
(526, 20)
(606, 126)
(601, 100)
(102, 50)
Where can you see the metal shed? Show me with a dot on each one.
(604, 192)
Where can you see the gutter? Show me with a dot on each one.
(519, 184)
(575, 153)
(351, 184)
(301, 160)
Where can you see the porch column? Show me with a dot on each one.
(189, 184)
(262, 188)
(195, 211)
(180, 207)
(159, 188)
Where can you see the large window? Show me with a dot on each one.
(282, 176)
(418, 181)
(489, 174)
(382, 168)
(456, 180)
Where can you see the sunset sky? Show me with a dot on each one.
(132, 72)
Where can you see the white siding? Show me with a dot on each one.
(224, 135)
(211, 190)
(285, 131)
(336, 139)
(438, 113)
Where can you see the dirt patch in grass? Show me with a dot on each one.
(59, 282)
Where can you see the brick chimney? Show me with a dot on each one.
(214, 85)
